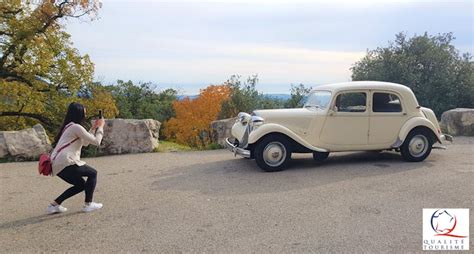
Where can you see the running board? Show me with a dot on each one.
(439, 147)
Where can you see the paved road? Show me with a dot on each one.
(212, 202)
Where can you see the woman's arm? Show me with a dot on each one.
(87, 137)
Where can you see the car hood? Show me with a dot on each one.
(269, 114)
(297, 119)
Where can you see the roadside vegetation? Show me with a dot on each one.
(168, 146)
(41, 73)
(441, 76)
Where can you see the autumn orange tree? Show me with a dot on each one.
(192, 124)
(40, 70)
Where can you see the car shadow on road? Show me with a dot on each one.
(242, 176)
(35, 220)
(368, 158)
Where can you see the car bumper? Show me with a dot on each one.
(446, 137)
(442, 139)
(237, 150)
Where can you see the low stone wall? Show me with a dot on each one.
(120, 136)
(26, 144)
(130, 136)
(458, 121)
(222, 130)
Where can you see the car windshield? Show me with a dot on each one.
(318, 99)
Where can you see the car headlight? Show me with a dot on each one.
(244, 118)
(255, 122)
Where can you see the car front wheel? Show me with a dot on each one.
(273, 153)
(417, 145)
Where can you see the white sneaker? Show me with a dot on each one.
(92, 206)
(56, 209)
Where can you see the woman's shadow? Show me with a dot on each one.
(36, 220)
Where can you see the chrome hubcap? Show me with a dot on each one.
(418, 146)
(274, 154)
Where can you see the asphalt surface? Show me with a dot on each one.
(209, 201)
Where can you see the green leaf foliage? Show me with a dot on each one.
(142, 101)
(245, 97)
(40, 70)
(298, 93)
(440, 76)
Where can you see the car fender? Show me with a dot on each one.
(268, 128)
(413, 123)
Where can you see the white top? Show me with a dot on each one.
(72, 154)
(363, 85)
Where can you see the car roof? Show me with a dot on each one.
(406, 93)
(367, 85)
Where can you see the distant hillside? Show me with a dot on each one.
(279, 96)
(182, 97)
(270, 95)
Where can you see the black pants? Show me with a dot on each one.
(73, 174)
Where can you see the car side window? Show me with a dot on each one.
(351, 102)
(386, 102)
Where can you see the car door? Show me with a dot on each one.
(347, 122)
(387, 115)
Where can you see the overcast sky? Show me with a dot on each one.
(188, 44)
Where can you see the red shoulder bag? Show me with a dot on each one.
(45, 165)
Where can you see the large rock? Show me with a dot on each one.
(24, 144)
(3, 146)
(222, 130)
(130, 136)
(458, 121)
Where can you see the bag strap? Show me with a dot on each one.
(67, 126)
(66, 145)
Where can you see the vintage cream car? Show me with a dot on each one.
(352, 116)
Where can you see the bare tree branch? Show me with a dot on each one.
(12, 77)
(6, 13)
(5, 33)
(43, 119)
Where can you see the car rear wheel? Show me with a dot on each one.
(320, 156)
(273, 153)
(417, 145)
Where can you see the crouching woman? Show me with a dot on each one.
(66, 158)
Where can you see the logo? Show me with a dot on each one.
(445, 229)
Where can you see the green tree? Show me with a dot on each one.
(269, 102)
(40, 70)
(245, 97)
(298, 93)
(440, 76)
(142, 101)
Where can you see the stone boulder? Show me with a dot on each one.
(130, 136)
(222, 130)
(24, 144)
(458, 121)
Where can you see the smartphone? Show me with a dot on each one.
(100, 117)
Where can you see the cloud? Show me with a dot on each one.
(213, 63)
(193, 43)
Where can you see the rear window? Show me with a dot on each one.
(386, 102)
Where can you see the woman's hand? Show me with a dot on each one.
(99, 123)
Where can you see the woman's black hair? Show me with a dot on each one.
(75, 113)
